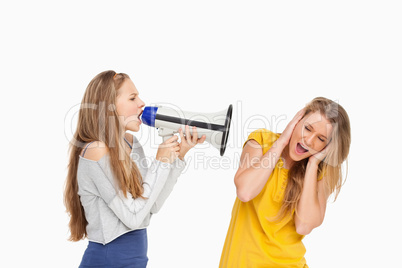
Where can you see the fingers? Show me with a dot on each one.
(173, 145)
(321, 155)
(181, 134)
(300, 113)
(168, 143)
(191, 138)
(298, 116)
(194, 137)
(169, 150)
(202, 139)
(171, 142)
(174, 148)
(188, 134)
(171, 139)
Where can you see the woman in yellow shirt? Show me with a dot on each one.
(283, 183)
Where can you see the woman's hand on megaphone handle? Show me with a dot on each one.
(168, 151)
(189, 140)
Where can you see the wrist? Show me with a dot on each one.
(163, 159)
(280, 143)
(182, 153)
(313, 161)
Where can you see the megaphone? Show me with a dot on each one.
(215, 126)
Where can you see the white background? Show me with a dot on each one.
(267, 58)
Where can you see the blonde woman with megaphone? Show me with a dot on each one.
(283, 184)
(110, 195)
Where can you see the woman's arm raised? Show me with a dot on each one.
(310, 210)
(255, 169)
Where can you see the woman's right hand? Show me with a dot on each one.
(287, 133)
(168, 151)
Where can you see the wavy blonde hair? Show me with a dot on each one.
(331, 166)
(99, 121)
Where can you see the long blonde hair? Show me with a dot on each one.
(331, 167)
(99, 121)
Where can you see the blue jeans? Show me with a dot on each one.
(128, 250)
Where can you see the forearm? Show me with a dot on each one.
(252, 180)
(177, 168)
(132, 212)
(309, 213)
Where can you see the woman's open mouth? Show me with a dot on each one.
(139, 116)
(301, 149)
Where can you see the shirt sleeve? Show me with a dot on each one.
(177, 168)
(264, 137)
(130, 211)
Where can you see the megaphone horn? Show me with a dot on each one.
(215, 126)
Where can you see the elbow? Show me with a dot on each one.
(305, 228)
(244, 191)
(305, 224)
(155, 209)
(243, 196)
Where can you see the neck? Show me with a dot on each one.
(128, 140)
(128, 137)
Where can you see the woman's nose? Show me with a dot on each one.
(141, 104)
(309, 140)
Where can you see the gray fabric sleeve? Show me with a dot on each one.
(130, 211)
(177, 168)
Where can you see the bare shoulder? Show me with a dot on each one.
(95, 151)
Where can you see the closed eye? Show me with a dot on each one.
(133, 96)
(308, 129)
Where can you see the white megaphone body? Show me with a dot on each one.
(215, 126)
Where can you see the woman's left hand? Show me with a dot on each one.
(188, 141)
(320, 156)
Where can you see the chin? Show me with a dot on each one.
(297, 158)
(134, 127)
(300, 158)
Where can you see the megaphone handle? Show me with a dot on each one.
(165, 138)
(166, 133)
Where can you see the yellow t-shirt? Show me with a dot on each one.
(253, 241)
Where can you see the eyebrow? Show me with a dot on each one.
(323, 136)
(133, 94)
